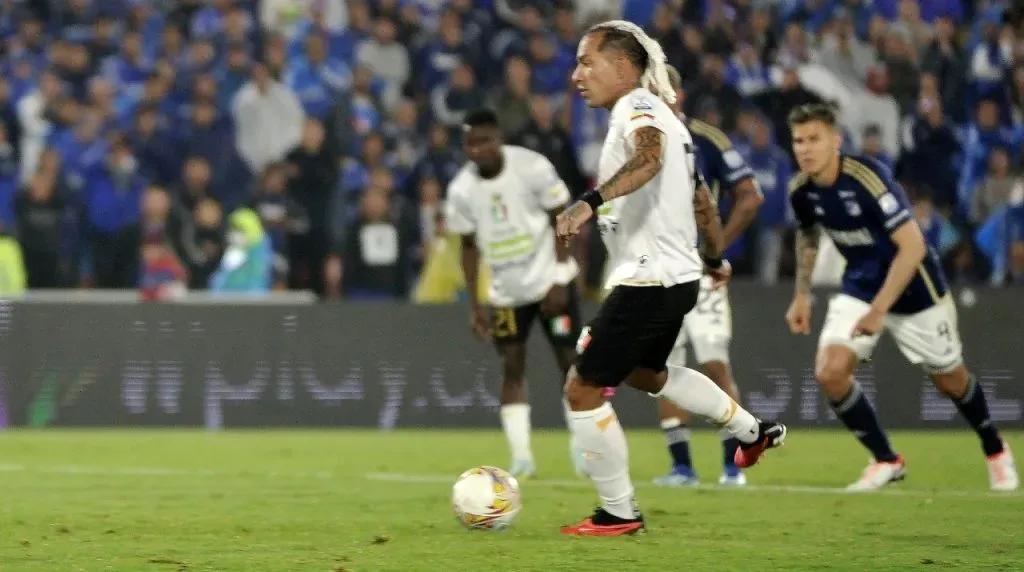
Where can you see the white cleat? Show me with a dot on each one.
(1002, 471)
(678, 478)
(523, 469)
(878, 474)
(737, 479)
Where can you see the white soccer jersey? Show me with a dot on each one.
(509, 216)
(650, 234)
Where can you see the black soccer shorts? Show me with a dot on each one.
(636, 328)
(513, 325)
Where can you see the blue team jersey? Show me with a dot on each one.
(859, 212)
(722, 165)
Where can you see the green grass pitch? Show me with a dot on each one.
(292, 501)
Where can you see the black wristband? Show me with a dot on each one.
(592, 198)
(714, 263)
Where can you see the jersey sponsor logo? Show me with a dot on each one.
(889, 204)
(847, 194)
(859, 237)
(641, 103)
(852, 208)
(641, 115)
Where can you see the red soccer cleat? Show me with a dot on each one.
(605, 524)
(771, 434)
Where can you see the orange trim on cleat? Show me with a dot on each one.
(588, 528)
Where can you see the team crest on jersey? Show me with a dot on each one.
(499, 210)
(853, 208)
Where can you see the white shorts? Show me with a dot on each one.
(708, 328)
(929, 338)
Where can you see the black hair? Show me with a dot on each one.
(481, 117)
(826, 113)
(623, 42)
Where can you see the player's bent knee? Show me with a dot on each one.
(580, 394)
(952, 383)
(709, 352)
(836, 376)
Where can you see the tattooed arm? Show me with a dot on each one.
(643, 166)
(709, 224)
(806, 254)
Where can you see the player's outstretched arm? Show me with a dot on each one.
(911, 251)
(644, 165)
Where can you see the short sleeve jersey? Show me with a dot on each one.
(509, 216)
(651, 233)
(859, 212)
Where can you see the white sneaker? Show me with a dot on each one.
(523, 469)
(1002, 471)
(733, 479)
(878, 474)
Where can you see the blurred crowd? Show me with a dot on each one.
(244, 145)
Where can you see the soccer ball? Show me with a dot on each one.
(486, 498)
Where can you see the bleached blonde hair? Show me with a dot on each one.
(655, 74)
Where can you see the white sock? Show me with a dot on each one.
(568, 423)
(606, 456)
(515, 420)
(696, 393)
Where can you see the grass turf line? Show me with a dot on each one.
(300, 500)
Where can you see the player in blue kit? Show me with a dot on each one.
(708, 328)
(893, 281)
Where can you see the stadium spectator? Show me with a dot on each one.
(375, 249)
(163, 276)
(247, 264)
(209, 240)
(545, 136)
(386, 59)
(944, 58)
(207, 99)
(986, 133)
(511, 100)
(772, 169)
(39, 209)
(312, 170)
(843, 52)
(268, 120)
(995, 189)
(929, 147)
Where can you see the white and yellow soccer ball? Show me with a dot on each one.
(486, 498)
